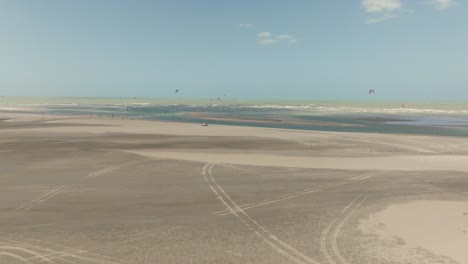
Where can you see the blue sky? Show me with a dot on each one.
(298, 49)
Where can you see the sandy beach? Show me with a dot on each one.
(87, 189)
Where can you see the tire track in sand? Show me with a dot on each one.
(335, 233)
(114, 168)
(280, 246)
(39, 200)
(27, 251)
(57, 255)
(301, 193)
(103, 171)
(40, 197)
(337, 230)
(44, 198)
(64, 255)
(14, 256)
(323, 237)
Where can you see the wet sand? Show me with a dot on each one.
(107, 190)
(265, 120)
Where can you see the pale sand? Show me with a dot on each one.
(87, 165)
(403, 163)
(440, 227)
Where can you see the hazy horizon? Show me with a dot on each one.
(370, 99)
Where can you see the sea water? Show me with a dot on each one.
(432, 118)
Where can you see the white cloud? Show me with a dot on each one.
(264, 34)
(245, 25)
(442, 4)
(266, 38)
(288, 38)
(379, 6)
(381, 10)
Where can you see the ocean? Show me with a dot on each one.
(430, 118)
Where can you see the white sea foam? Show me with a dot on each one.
(280, 106)
(16, 109)
(370, 110)
(51, 104)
